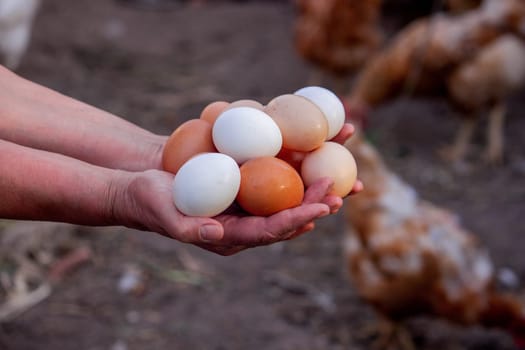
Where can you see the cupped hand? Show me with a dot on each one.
(243, 231)
(145, 202)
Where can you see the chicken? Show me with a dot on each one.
(460, 6)
(407, 256)
(483, 83)
(422, 58)
(16, 22)
(337, 36)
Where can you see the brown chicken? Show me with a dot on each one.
(337, 36)
(484, 83)
(460, 6)
(407, 256)
(425, 57)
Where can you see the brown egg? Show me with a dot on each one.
(212, 111)
(269, 185)
(331, 160)
(294, 158)
(246, 103)
(189, 139)
(303, 125)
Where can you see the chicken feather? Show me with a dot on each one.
(464, 57)
(407, 256)
(337, 36)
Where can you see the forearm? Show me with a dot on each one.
(37, 117)
(39, 185)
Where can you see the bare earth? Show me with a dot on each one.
(158, 69)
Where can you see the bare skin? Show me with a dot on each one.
(65, 161)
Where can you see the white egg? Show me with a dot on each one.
(329, 104)
(206, 184)
(245, 133)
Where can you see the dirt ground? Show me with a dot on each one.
(158, 69)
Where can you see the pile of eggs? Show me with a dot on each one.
(260, 157)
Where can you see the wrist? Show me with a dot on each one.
(38, 185)
(152, 153)
(117, 198)
(137, 199)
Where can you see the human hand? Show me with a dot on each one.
(346, 132)
(144, 201)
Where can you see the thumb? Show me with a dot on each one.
(210, 232)
(192, 229)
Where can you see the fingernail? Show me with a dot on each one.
(335, 210)
(323, 214)
(210, 233)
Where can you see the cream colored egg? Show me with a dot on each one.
(302, 124)
(330, 105)
(334, 161)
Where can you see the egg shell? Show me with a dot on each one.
(294, 158)
(269, 185)
(331, 160)
(246, 103)
(330, 105)
(189, 139)
(206, 185)
(302, 124)
(212, 111)
(245, 133)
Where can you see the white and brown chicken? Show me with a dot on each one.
(476, 60)
(407, 256)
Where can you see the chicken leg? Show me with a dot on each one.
(388, 334)
(494, 148)
(458, 150)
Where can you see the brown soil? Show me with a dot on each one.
(158, 69)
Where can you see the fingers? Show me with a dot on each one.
(302, 230)
(230, 233)
(333, 202)
(318, 190)
(210, 232)
(346, 132)
(253, 231)
(358, 187)
(281, 224)
(249, 232)
(319, 193)
(195, 230)
(233, 232)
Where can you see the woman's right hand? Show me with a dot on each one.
(144, 201)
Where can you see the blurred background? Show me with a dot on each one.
(159, 63)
